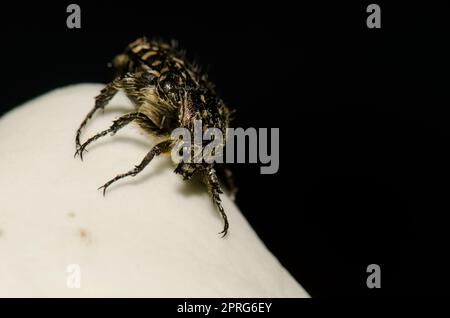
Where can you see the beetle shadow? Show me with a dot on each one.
(192, 187)
(118, 110)
(122, 110)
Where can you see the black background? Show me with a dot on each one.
(361, 114)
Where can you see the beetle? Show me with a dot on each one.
(167, 92)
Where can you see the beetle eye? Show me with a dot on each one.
(167, 86)
(169, 89)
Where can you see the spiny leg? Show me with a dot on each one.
(215, 191)
(101, 101)
(155, 151)
(117, 124)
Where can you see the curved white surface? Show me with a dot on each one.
(153, 235)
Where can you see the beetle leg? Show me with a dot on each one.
(156, 150)
(117, 124)
(215, 191)
(101, 100)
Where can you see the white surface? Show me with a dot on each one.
(153, 235)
